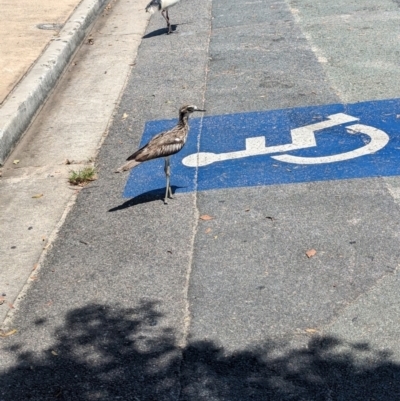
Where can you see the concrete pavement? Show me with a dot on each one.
(35, 194)
(138, 300)
(28, 81)
(24, 38)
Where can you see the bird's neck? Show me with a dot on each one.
(183, 119)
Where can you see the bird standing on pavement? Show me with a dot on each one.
(164, 144)
(162, 5)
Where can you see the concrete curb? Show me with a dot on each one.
(25, 100)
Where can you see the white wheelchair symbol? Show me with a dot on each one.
(303, 137)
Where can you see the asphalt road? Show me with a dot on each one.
(139, 300)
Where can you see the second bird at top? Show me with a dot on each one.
(162, 5)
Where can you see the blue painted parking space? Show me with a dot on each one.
(329, 142)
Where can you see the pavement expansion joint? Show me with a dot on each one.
(196, 211)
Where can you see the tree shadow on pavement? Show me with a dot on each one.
(111, 353)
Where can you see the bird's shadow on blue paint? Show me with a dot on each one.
(149, 196)
(158, 32)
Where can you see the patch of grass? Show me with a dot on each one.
(82, 177)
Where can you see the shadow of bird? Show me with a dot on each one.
(164, 144)
(163, 6)
(146, 197)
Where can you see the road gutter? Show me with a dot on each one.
(27, 98)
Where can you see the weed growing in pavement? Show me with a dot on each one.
(82, 177)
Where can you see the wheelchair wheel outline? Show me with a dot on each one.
(379, 139)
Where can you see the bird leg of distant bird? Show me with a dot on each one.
(167, 169)
(169, 24)
(165, 15)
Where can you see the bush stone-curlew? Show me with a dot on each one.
(164, 144)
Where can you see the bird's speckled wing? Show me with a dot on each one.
(164, 144)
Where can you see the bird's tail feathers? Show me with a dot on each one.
(154, 4)
(127, 166)
(150, 9)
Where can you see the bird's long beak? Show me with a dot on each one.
(200, 110)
